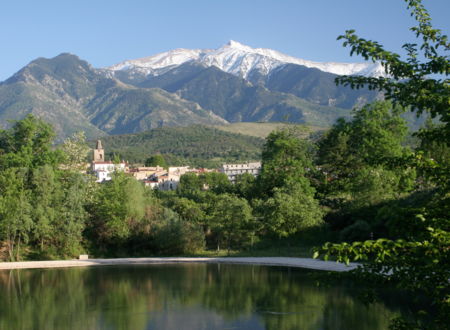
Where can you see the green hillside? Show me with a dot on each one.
(197, 145)
(261, 130)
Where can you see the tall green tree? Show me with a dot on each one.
(287, 201)
(231, 221)
(373, 137)
(285, 157)
(420, 82)
(364, 159)
(119, 204)
(245, 186)
(45, 193)
(74, 151)
(75, 193)
(292, 208)
(28, 144)
(15, 212)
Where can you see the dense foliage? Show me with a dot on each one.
(415, 256)
(200, 146)
(50, 209)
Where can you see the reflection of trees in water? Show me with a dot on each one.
(129, 297)
(43, 299)
(287, 299)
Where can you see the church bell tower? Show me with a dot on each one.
(99, 152)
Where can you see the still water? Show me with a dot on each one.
(183, 296)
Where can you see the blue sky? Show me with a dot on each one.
(105, 32)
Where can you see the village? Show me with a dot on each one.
(157, 177)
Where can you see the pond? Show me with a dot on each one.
(184, 296)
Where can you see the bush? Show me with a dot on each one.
(360, 230)
(174, 237)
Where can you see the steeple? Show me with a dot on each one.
(99, 152)
(99, 145)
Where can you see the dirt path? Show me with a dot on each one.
(268, 261)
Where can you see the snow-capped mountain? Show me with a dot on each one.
(240, 60)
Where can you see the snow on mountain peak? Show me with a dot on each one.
(240, 60)
(237, 45)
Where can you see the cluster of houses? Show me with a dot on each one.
(158, 177)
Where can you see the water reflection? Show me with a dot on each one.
(182, 296)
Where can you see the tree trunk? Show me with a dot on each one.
(18, 250)
(10, 250)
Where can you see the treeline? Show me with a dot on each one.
(355, 180)
(358, 182)
(197, 146)
(50, 209)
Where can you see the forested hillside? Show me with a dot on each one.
(262, 130)
(197, 145)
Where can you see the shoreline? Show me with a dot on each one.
(307, 263)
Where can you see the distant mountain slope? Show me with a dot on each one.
(55, 90)
(234, 83)
(131, 110)
(262, 130)
(237, 100)
(176, 71)
(194, 145)
(316, 86)
(73, 96)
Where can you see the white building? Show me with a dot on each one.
(232, 170)
(104, 169)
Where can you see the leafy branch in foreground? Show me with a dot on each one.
(420, 264)
(422, 86)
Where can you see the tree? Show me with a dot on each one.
(419, 86)
(287, 203)
(28, 144)
(216, 182)
(45, 201)
(75, 150)
(373, 137)
(364, 159)
(245, 185)
(285, 157)
(188, 210)
(75, 193)
(420, 264)
(173, 236)
(231, 220)
(292, 208)
(436, 156)
(42, 205)
(190, 186)
(15, 211)
(119, 204)
(156, 160)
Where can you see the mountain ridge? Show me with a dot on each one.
(238, 59)
(72, 95)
